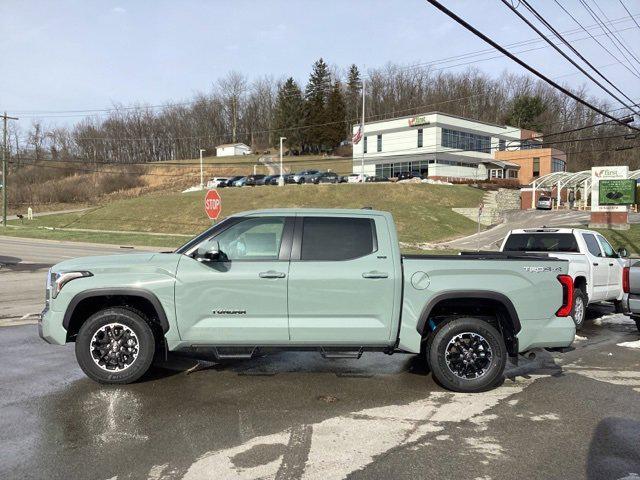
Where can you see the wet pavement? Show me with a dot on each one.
(296, 415)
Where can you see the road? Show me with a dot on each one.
(23, 266)
(296, 415)
(492, 238)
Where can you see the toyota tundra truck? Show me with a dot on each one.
(308, 279)
(594, 266)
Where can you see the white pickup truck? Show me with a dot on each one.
(596, 268)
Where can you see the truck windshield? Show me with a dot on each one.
(541, 242)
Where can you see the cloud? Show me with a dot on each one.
(119, 10)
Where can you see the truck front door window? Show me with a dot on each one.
(607, 248)
(592, 244)
(252, 239)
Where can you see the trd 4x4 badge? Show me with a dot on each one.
(229, 312)
(542, 269)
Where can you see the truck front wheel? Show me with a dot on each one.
(467, 355)
(115, 345)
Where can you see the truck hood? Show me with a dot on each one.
(127, 262)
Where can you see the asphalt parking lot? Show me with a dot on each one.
(296, 415)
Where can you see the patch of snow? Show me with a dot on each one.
(635, 344)
(578, 338)
(613, 319)
(545, 416)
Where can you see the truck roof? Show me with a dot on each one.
(315, 211)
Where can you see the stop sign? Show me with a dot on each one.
(212, 204)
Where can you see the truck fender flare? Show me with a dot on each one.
(107, 292)
(514, 319)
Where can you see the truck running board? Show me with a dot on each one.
(229, 353)
(341, 353)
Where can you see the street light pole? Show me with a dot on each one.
(4, 168)
(201, 170)
(281, 179)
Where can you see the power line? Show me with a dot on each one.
(632, 17)
(634, 73)
(609, 34)
(619, 38)
(572, 48)
(523, 64)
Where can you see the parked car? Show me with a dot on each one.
(287, 177)
(252, 180)
(408, 175)
(232, 181)
(327, 177)
(377, 179)
(267, 180)
(344, 179)
(631, 287)
(216, 182)
(544, 203)
(467, 314)
(357, 178)
(595, 267)
(241, 182)
(306, 176)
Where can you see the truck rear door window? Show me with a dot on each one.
(541, 242)
(337, 238)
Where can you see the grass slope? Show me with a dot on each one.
(422, 212)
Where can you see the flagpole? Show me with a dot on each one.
(363, 135)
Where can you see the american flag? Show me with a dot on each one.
(357, 136)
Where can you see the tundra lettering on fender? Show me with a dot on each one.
(331, 280)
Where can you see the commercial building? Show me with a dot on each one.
(535, 163)
(443, 146)
(231, 149)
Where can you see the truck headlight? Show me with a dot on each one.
(57, 280)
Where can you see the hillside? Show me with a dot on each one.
(422, 212)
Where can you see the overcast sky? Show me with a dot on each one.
(84, 54)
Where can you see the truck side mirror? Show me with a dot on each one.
(208, 251)
(622, 252)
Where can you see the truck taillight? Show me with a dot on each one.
(567, 296)
(625, 280)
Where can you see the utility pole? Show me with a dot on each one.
(281, 179)
(4, 167)
(363, 134)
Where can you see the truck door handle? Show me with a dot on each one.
(595, 264)
(611, 264)
(271, 274)
(375, 274)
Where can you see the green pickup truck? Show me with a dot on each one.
(308, 279)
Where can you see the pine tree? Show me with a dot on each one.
(336, 112)
(524, 112)
(289, 113)
(353, 100)
(316, 94)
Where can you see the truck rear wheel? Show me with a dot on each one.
(115, 345)
(579, 308)
(467, 355)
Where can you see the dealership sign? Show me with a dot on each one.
(617, 192)
(612, 195)
(418, 120)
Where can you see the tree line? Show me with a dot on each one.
(318, 116)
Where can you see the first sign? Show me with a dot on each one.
(212, 204)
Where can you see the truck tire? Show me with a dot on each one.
(467, 355)
(115, 345)
(579, 312)
(617, 306)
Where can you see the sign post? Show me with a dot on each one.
(212, 204)
(480, 208)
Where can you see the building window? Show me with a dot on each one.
(530, 144)
(513, 173)
(502, 145)
(419, 138)
(379, 142)
(465, 141)
(536, 166)
(557, 165)
(496, 173)
(364, 144)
